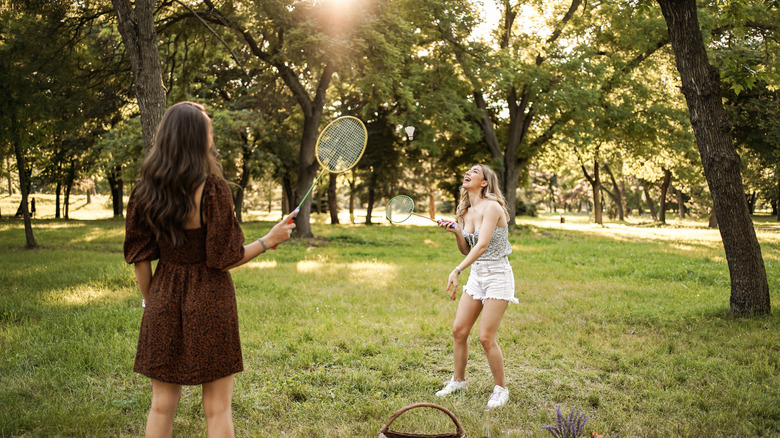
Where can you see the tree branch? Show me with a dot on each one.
(288, 76)
(232, 54)
(557, 32)
(487, 126)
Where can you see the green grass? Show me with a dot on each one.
(338, 333)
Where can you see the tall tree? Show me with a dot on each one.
(30, 57)
(306, 43)
(702, 90)
(136, 25)
(530, 82)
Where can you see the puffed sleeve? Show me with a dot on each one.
(140, 242)
(224, 237)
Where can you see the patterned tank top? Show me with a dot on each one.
(498, 247)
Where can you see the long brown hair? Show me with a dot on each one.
(182, 156)
(491, 191)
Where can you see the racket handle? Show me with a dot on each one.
(451, 225)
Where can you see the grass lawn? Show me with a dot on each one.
(629, 321)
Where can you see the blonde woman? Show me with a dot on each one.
(482, 234)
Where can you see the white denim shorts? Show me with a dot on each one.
(491, 279)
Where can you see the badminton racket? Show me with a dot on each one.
(339, 148)
(400, 208)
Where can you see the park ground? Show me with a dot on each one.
(628, 321)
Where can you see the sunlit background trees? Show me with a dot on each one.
(576, 104)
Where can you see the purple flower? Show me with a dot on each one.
(568, 427)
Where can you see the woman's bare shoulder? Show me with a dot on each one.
(494, 206)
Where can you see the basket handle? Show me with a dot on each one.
(398, 413)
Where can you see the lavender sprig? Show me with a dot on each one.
(568, 427)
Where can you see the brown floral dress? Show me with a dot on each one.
(189, 330)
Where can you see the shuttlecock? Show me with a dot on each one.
(410, 132)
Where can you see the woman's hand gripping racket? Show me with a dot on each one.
(339, 148)
(401, 207)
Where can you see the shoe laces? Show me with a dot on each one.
(496, 395)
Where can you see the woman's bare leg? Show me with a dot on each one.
(217, 399)
(165, 400)
(492, 313)
(467, 314)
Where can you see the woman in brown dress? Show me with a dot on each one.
(181, 212)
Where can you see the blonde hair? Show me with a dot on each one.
(492, 192)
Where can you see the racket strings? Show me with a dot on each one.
(341, 145)
(399, 208)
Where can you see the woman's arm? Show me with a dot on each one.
(143, 276)
(456, 228)
(463, 246)
(490, 219)
(278, 234)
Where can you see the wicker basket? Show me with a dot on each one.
(385, 431)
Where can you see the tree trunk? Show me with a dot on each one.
(623, 201)
(751, 201)
(649, 200)
(23, 185)
(662, 201)
(618, 196)
(10, 182)
(57, 200)
(680, 203)
(370, 207)
(136, 26)
(352, 187)
(307, 171)
(431, 205)
(116, 183)
(288, 197)
(701, 88)
(317, 206)
(333, 205)
(68, 188)
(595, 183)
(243, 179)
(777, 199)
(66, 203)
(597, 207)
(597, 204)
(238, 203)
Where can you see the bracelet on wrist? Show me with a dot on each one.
(260, 239)
(460, 271)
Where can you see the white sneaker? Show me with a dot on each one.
(498, 398)
(450, 387)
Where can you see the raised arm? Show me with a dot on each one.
(278, 234)
(455, 228)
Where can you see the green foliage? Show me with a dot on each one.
(606, 79)
(61, 84)
(122, 147)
